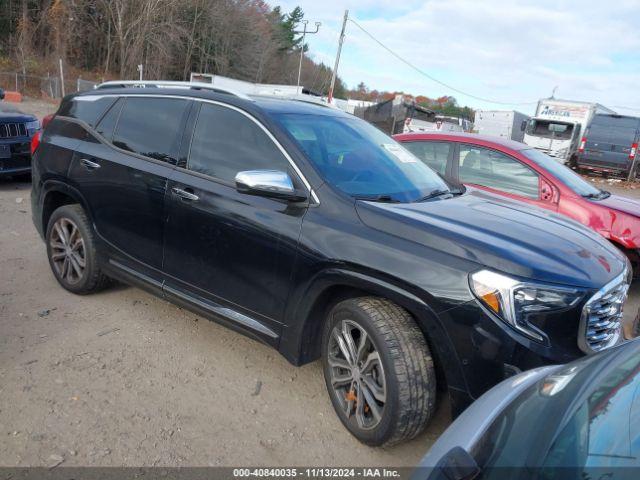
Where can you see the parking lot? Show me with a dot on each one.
(124, 378)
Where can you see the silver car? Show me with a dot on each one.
(574, 421)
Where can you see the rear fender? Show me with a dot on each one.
(57, 186)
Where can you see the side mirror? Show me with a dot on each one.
(523, 126)
(268, 183)
(547, 191)
(1, 94)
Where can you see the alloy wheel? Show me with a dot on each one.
(68, 253)
(356, 374)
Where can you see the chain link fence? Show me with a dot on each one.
(39, 86)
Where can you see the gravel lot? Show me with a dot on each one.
(124, 378)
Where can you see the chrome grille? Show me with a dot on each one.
(10, 130)
(601, 323)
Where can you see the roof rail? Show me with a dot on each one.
(300, 97)
(170, 84)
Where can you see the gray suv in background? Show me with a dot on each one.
(610, 145)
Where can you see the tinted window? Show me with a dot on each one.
(150, 126)
(357, 158)
(108, 122)
(567, 176)
(86, 108)
(615, 130)
(226, 142)
(592, 435)
(490, 168)
(434, 154)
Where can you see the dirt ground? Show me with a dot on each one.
(124, 378)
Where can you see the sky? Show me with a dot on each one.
(513, 52)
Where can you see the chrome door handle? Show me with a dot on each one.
(89, 165)
(185, 195)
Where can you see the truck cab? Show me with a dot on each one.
(558, 126)
(558, 139)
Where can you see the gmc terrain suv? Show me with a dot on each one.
(312, 231)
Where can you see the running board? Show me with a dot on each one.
(229, 314)
(222, 311)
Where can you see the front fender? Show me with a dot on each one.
(625, 230)
(308, 308)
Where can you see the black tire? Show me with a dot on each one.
(407, 370)
(91, 279)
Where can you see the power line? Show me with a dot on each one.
(633, 109)
(422, 72)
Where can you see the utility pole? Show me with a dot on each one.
(335, 67)
(61, 77)
(304, 34)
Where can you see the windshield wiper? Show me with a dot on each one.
(601, 195)
(384, 198)
(438, 193)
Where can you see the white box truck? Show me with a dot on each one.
(559, 125)
(501, 123)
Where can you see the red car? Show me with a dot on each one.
(518, 171)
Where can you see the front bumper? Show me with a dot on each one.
(490, 351)
(15, 157)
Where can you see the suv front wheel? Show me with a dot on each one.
(378, 370)
(71, 249)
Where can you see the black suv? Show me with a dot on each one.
(16, 131)
(312, 231)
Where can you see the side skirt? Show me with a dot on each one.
(213, 311)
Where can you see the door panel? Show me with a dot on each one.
(230, 248)
(126, 186)
(126, 195)
(224, 249)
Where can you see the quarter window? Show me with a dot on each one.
(108, 122)
(88, 108)
(489, 168)
(226, 142)
(151, 127)
(434, 154)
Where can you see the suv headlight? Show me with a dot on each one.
(514, 301)
(33, 125)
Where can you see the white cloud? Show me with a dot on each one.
(504, 50)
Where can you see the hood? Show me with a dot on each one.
(9, 114)
(502, 235)
(622, 204)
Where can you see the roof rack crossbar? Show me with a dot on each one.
(170, 84)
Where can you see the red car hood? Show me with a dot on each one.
(622, 204)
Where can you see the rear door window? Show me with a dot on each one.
(433, 154)
(493, 169)
(226, 142)
(151, 127)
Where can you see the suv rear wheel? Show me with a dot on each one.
(378, 370)
(72, 251)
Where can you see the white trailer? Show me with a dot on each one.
(501, 123)
(559, 125)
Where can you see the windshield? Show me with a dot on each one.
(573, 418)
(549, 129)
(360, 160)
(567, 176)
